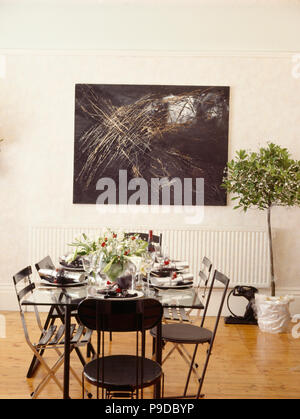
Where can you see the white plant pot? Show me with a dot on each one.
(273, 314)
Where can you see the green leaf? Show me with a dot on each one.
(263, 178)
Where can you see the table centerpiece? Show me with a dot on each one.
(113, 251)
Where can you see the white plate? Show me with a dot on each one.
(93, 293)
(71, 284)
(70, 268)
(172, 287)
(67, 267)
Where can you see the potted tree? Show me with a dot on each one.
(262, 180)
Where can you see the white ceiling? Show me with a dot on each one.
(157, 25)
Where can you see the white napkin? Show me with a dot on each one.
(74, 276)
(178, 265)
(181, 265)
(166, 280)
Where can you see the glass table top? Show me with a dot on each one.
(52, 295)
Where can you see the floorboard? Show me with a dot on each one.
(246, 363)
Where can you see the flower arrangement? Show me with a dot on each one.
(115, 248)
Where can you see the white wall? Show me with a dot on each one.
(37, 122)
(164, 25)
(37, 104)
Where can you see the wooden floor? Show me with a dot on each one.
(246, 363)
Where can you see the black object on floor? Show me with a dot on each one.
(249, 315)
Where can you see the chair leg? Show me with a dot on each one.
(203, 372)
(84, 390)
(153, 345)
(184, 354)
(90, 350)
(82, 384)
(50, 374)
(190, 370)
(35, 362)
(82, 360)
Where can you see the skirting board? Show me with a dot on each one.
(8, 301)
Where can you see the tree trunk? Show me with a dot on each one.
(271, 253)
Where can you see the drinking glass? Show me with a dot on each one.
(138, 264)
(98, 261)
(148, 266)
(159, 254)
(131, 270)
(89, 266)
(165, 254)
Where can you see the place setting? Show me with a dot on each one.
(60, 277)
(167, 273)
(122, 290)
(68, 264)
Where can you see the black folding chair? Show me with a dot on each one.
(181, 314)
(189, 334)
(121, 375)
(55, 313)
(51, 337)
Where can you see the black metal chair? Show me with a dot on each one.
(180, 314)
(51, 337)
(121, 375)
(55, 313)
(183, 315)
(189, 334)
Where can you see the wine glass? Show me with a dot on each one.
(159, 254)
(131, 270)
(98, 259)
(137, 260)
(87, 263)
(148, 263)
(165, 255)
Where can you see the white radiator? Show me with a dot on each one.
(240, 254)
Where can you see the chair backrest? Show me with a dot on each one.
(204, 275)
(120, 316)
(221, 281)
(45, 263)
(144, 236)
(23, 284)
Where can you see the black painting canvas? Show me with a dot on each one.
(150, 132)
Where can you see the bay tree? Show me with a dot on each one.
(262, 180)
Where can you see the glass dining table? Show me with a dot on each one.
(68, 298)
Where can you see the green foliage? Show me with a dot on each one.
(264, 178)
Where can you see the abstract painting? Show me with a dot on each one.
(151, 132)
